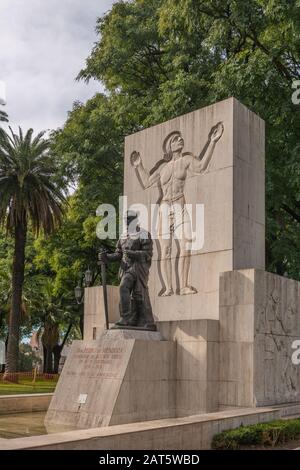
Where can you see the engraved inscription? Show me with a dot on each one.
(97, 362)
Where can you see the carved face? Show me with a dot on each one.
(177, 143)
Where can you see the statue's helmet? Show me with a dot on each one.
(167, 144)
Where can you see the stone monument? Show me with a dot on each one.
(212, 158)
(225, 327)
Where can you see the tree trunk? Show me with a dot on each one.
(16, 303)
(48, 369)
(57, 350)
(57, 355)
(44, 359)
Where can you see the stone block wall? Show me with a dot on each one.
(94, 317)
(197, 364)
(259, 321)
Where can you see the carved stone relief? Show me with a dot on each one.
(275, 325)
(174, 231)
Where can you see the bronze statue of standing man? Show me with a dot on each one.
(134, 250)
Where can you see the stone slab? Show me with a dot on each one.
(94, 316)
(102, 380)
(197, 364)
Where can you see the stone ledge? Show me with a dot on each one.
(24, 403)
(141, 435)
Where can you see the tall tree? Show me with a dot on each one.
(29, 194)
(54, 317)
(161, 58)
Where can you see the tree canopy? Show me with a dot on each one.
(158, 59)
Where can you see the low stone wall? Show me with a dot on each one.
(191, 432)
(24, 403)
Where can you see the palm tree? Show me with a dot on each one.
(28, 196)
(3, 118)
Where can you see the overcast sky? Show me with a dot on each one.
(43, 46)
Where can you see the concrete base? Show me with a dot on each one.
(124, 376)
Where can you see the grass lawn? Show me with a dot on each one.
(26, 385)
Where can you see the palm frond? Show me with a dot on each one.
(27, 182)
(3, 116)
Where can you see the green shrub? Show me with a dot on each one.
(266, 434)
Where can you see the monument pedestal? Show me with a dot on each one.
(122, 377)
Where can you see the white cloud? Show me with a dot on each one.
(43, 46)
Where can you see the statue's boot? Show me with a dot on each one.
(145, 316)
(127, 319)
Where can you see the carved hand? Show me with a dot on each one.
(135, 159)
(217, 133)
